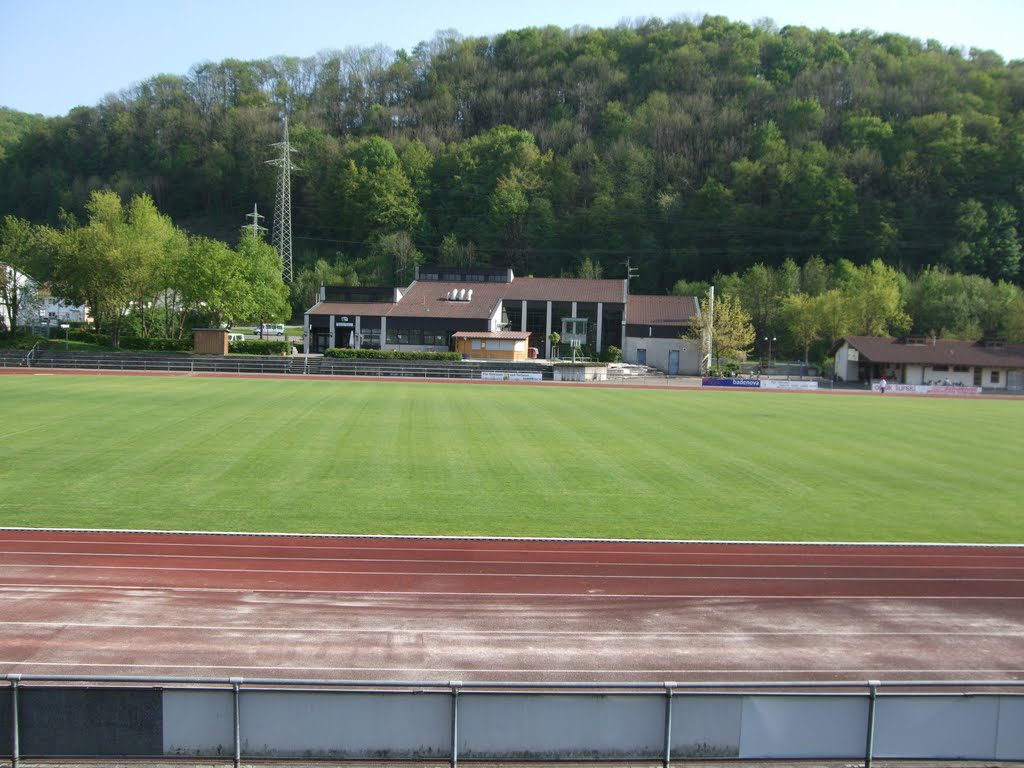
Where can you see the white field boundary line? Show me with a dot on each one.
(502, 574)
(414, 537)
(842, 632)
(583, 596)
(431, 561)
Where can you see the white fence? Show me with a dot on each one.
(145, 718)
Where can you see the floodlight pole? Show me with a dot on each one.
(769, 339)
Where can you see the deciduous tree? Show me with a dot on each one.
(729, 329)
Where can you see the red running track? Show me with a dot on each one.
(94, 603)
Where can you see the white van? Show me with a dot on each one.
(236, 337)
(269, 329)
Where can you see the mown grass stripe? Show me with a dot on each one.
(435, 459)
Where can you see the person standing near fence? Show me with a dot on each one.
(881, 385)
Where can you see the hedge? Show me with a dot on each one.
(257, 347)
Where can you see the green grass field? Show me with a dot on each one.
(423, 458)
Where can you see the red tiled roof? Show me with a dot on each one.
(516, 335)
(565, 289)
(430, 299)
(661, 310)
(937, 352)
(365, 309)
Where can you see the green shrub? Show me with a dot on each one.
(257, 347)
(611, 354)
(148, 344)
(390, 354)
(88, 336)
(724, 371)
(18, 340)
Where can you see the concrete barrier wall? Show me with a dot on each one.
(789, 727)
(957, 728)
(512, 724)
(561, 726)
(99, 722)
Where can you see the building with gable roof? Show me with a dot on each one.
(930, 361)
(441, 301)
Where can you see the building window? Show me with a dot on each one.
(435, 339)
(369, 338)
(404, 336)
(993, 377)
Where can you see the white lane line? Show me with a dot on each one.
(590, 596)
(473, 673)
(505, 575)
(842, 632)
(559, 563)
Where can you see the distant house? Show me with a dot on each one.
(36, 307)
(930, 361)
(444, 301)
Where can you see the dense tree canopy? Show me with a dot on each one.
(690, 148)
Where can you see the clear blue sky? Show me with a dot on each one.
(58, 54)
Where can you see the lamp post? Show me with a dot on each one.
(65, 326)
(770, 340)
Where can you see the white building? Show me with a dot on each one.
(930, 361)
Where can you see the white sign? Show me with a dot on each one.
(924, 389)
(785, 384)
(512, 375)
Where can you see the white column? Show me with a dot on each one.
(600, 325)
(331, 342)
(547, 332)
(305, 334)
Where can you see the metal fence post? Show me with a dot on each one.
(15, 734)
(455, 685)
(669, 689)
(869, 749)
(236, 684)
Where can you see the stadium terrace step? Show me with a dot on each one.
(254, 364)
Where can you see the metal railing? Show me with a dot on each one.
(217, 719)
(31, 354)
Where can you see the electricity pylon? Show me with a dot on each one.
(281, 237)
(255, 229)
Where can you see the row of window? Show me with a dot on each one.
(499, 345)
(416, 337)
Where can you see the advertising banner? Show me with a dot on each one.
(512, 375)
(746, 383)
(785, 384)
(925, 389)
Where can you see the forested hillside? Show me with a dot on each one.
(690, 148)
